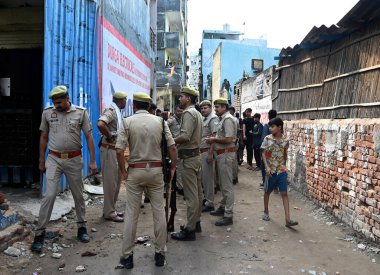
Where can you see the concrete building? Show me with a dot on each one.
(194, 70)
(232, 60)
(171, 51)
(211, 39)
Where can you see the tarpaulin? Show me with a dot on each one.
(70, 59)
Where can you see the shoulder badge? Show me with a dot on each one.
(53, 115)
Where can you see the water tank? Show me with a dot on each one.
(226, 27)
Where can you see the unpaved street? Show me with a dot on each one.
(250, 246)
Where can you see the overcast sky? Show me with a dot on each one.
(282, 22)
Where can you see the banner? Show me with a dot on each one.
(261, 106)
(123, 68)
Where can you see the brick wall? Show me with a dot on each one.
(336, 163)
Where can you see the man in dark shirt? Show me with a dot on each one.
(256, 136)
(248, 124)
(241, 140)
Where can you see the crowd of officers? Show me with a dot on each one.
(202, 146)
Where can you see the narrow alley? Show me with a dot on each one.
(250, 246)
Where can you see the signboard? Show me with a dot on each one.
(256, 94)
(123, 68)
(261, 106)
(257, 65)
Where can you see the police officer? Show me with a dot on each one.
(210, 121)
(188, 151)
(236, 165)
(174, 123)
(225, 150)
(109, 122)
(142, 132)
(61, 127)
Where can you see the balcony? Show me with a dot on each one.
(175, 81)
(173, 10)
(170, 41)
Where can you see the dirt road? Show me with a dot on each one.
(250, 246)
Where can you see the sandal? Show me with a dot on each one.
(265, 217)
(291, 223)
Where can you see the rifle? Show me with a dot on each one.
(166, 165)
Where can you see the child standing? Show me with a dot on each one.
(275, 152)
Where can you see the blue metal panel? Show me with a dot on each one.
(70, 58)
(233, 65)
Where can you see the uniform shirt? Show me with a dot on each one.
(64, 128)
(142, 133)
(209, 127)
(237, 125)
(275, 153)
(110, 118)
(226, 128)
(191, 128)
(174, 124)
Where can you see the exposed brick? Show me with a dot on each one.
(347, 181)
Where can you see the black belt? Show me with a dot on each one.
(188, 153)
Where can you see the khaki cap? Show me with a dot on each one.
(205, 103)
(190, 91)
(142, 97)
(58, 91)
(120, 95)
(221, 101)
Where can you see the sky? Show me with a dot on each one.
(282, 22)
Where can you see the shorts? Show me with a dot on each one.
(279, 181)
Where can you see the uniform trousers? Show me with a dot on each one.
(111, 180)
(225, 166)
(179, 174)
(235, 164)
(192, 189)
(149, 180)
(72, 169)
(208, 173)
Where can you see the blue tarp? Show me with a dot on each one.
(70, 59)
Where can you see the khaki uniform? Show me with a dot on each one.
(174, 124)
(64, 129)
(226, 128)
(208, 169)
(191, 128)
(236, 166)
(142, 133)
(110, 170)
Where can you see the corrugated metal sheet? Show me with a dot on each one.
(363, 12)
(70, 58)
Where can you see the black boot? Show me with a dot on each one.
(128, 262)
(82, 235)
(208, 208)
(218, 212)
(224, 221)
(184, 235)
(160, 259)
(38, 243)
(198, 228)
